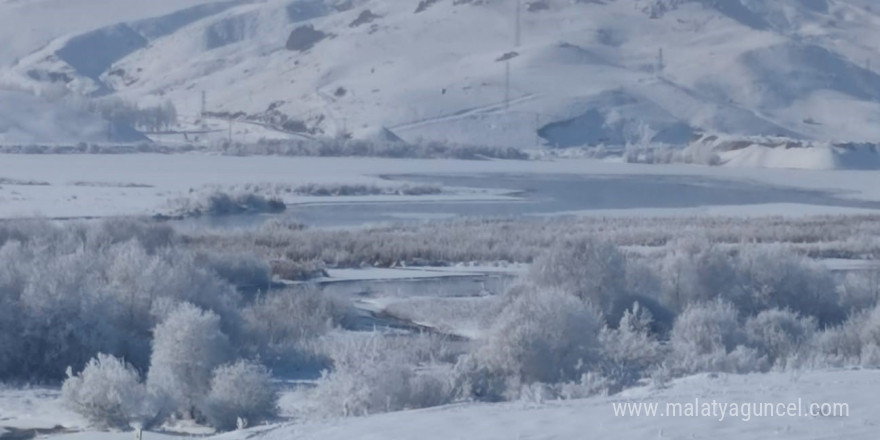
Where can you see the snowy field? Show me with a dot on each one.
(573, 419)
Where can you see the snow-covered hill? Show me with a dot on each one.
(580, 72)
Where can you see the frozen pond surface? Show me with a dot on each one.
(546, 194)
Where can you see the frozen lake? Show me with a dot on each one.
(547, 194)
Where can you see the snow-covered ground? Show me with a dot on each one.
(593, 417)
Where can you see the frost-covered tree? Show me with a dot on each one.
(778, 278)
(282, 323)
(752, 279)
(241, 391)
(187, 346)
(374, 373)
(631, 349)
(592, 270)
(108, 393)
(543, 335)
(709, 337)
(779, 334)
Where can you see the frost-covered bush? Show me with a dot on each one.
(860, 290)
(353, 147)
(298, 270)
(696, 272)
(753, 279)
(241, 391)
(490, 240)
(779, 334)
(631, 349)
(150, 236)
(592, 270)
(855, 342)
(709, 337)
(72, 290)
(248, 271)
(600, 273)
(219, 203)
(543, 335)
(282, 323)
(108, 393)
(373, 373)
(777, 278)
(187, 346)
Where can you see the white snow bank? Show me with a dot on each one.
(595, 418)
(780, 152)
(821, 157)
(566, 419)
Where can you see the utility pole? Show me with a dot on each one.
(660, 63)
(537, 129)
(518, 32)
(507, 85)
(230, 130)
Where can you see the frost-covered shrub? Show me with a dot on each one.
(108, 393)
(187, 346)
(355, 147)
(298, 270)
(779, 334)
(860, 290)
(67, 317)
(631, 349)
(708, 337)
(219, 203)
(695, 272)
(247, 271)
(240, 391)
(373, 373)
(777, 278)
(856, 341)
(69, 291)
(281, 323)
(752, 279)
(592, 270)
(150, 235)
(834, 347)
(543, 335)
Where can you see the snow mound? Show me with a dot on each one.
(766, 152)
(378, 134)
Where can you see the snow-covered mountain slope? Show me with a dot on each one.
(580, 72)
